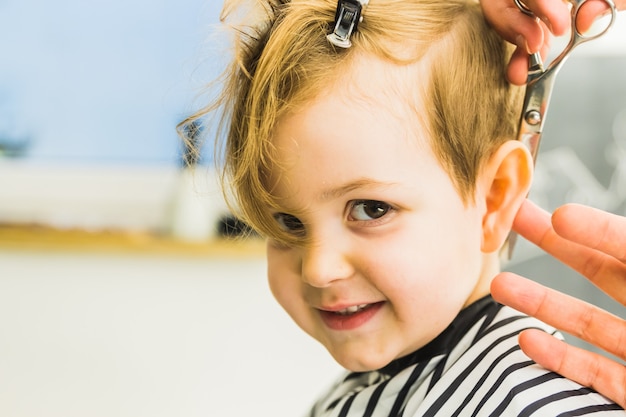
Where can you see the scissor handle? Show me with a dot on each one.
(536, 69)
(581, 37)
(576, 37)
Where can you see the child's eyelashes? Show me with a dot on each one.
(362, 212)
(289, 223)
(368, 210)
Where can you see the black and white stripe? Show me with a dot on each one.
(474, 368)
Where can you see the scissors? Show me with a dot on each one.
(540, 84)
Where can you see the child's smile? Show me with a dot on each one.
(351, 317)
(393, 253)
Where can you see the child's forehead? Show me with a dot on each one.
(376, 77)
(370, 94)
(347, 118)
(370, 83)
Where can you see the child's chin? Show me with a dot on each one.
(361, 363)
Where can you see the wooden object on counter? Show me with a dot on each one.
(42, 238)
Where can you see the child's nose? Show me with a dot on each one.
(325, 263)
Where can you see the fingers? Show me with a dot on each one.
(590, 11)
(591, 227)
(605, 234)
(513, 25)
(584, 235)
(534, 223)
(562, 311)
(517, 71)
(510, 22)
(586, 368)
(554, 13)
(532, 34)
(501, 15)
(528, 33)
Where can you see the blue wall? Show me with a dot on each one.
(102, 81)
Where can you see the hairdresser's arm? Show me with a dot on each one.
(533, 35)
(596, 247)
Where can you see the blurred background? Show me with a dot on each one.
(119, 295)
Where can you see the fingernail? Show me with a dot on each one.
(545, 20)
(520, 41)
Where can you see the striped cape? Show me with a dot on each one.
(474, 368)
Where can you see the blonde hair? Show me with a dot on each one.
(283, 59)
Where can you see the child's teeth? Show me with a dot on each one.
(352, 309)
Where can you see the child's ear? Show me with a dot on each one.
(504, 182)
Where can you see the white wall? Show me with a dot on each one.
(119, 197)
(95, 335)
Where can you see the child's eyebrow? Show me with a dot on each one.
(353, 185)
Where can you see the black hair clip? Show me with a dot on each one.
(347, 18)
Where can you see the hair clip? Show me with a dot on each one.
(347, 18)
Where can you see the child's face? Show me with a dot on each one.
(391, 237)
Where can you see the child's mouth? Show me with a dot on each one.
(352, 309)
(351, 317)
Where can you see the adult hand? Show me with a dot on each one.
(534, 34)
(592, 242)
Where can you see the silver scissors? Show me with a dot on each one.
(540, 84)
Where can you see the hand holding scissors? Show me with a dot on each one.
(540, 82)
(541, 79)
(534, 33)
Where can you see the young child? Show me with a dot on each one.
(386, 177)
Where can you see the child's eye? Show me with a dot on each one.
(289, 223)
(367, 210)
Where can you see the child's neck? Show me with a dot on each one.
(490, 268)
